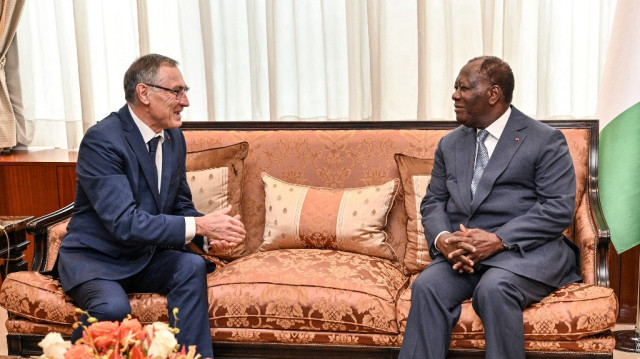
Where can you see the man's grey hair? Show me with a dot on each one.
(144, 70)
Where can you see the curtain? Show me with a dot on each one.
(24, 129)
(306, 60)
(9, 16)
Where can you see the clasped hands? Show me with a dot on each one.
(222, 230)
(466, 247)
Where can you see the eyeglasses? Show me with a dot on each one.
(179, 92)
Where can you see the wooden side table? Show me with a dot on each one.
(13, 242)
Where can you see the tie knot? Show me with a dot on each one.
(153, 145)
(482, 135)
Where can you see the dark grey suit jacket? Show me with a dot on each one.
(119, 217)
(526, 196)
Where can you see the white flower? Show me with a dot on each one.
(53, 346)
(163, 342)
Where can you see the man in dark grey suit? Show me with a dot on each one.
(502, 191)
(133, 212)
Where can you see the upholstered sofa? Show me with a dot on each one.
(333, 243)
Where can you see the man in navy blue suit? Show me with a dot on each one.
(502, 191)
(133, 212)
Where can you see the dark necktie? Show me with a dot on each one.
(482, 157)
(153, 147)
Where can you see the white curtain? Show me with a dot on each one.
(10, 11)
(300, 60)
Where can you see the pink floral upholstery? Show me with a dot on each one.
(37, 297)
(335, 159)
(330, 297)
(572, 312)
(352, 158)
(56, 233)
(40, 298)
(599, 343)
(307, 289)
(303, 337)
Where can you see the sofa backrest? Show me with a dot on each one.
(334, 158)
(356, 154)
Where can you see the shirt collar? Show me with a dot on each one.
(495, 129)
(146, 131)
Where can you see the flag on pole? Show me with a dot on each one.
(619, 115)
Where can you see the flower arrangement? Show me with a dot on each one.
(118, 340)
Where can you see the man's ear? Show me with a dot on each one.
(495, 93)
(142, 91)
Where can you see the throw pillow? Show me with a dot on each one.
(350, 220)
(415, 174)
(209, 189)
(215, 179)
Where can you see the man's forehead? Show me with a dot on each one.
(172, 73)
(471, 73)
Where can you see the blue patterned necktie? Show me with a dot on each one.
(482, 157)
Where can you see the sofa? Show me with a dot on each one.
(334, 241)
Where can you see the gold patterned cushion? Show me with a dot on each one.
(415, 174)
(351, 220)
(40, 298)
(37, 297)
(215, 178)
(306, 290)
(572, 312)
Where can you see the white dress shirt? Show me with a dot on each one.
(147, 135)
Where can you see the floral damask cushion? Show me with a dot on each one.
(37, 297)
(307, 290)
(40, 298)
(415, 174)
(215, 178)
(351, 219)
(571, 312)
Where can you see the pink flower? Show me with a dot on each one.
(79, 351)
(113, 340)
(102, 335)
(131, 332)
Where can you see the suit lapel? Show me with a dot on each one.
(510, 140)
(167, 168)
(465, 154)
(136, 142)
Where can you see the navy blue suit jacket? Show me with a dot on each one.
(119, 217)
(526, 196)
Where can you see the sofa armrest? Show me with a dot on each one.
(39, 228)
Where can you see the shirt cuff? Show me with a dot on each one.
(435, 241)
(189, 229)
